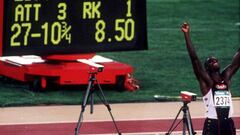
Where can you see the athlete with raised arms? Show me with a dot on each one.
(214, 86)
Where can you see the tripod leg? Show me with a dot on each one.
(104, 101)
(172, 126)
(189, 123)
(84, 103)
(184, 122)
(79, 123)
(92, 102)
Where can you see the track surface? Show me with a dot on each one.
(137, 118)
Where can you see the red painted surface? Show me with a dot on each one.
(69, 57)
(65, 72)
(137, 126)
(1, 25)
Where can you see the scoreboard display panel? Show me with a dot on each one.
(43, 27)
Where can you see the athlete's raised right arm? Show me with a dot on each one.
(202, 76)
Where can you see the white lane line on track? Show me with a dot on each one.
(159, 133)
(150, 133)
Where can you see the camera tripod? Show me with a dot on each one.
(187, 122)
(90, 94)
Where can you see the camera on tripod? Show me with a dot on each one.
(94, 67)
(188, 96)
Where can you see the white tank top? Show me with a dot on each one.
(210, 105)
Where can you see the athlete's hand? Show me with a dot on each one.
(185, 27)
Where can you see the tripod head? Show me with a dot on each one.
(93, 73)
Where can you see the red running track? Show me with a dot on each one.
(138, 126)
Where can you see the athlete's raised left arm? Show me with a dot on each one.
(231, 69)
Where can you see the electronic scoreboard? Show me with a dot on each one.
(43, 27)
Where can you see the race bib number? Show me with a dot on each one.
(222, 99)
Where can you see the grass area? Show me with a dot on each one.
(165, 68)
